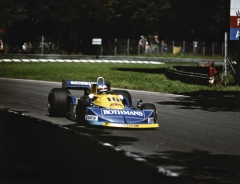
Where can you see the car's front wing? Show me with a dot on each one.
(121, 118)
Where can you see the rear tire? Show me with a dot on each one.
(124, 93)
(150, 106)
(57, 102)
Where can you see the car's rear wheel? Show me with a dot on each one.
(81, 111)
(57, 102)
(124, 93)
(150, 106)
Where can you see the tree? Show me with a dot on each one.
(74, 20)
(200, 20)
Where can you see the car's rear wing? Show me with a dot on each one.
(81, 85)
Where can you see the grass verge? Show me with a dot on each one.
(130, 76)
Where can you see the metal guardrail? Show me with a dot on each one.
(187, 77)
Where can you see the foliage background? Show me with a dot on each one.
(76, 21)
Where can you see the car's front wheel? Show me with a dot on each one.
(57, 102)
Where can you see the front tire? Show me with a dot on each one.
(57, 102)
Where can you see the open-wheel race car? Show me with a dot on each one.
(99, 105)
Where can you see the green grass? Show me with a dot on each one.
(130, 76)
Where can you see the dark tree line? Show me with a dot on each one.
(74, 20)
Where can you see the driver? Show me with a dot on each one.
(102, 89)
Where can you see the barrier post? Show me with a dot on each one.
(42, 43)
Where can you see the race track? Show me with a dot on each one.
(197, 138)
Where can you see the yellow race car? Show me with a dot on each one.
(100, 106)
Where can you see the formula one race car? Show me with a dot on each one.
(100, 106)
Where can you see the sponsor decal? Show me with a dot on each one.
(81, 83)
(91, 118)
(131, 125)
(122, 112)
(151, 120)
(116, 104)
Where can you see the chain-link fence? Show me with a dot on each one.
(118, 47)
(132, 47)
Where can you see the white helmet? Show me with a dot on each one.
(102, 89)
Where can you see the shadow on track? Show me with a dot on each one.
(201, 167)
(195, 167)
(212, 105)
(35, 151)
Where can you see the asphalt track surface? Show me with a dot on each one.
(197, 141)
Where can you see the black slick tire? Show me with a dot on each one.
(57, 102)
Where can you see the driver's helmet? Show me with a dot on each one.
(102, 88)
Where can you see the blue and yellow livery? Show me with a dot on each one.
(111, 108)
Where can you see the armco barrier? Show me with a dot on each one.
(187, 77)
